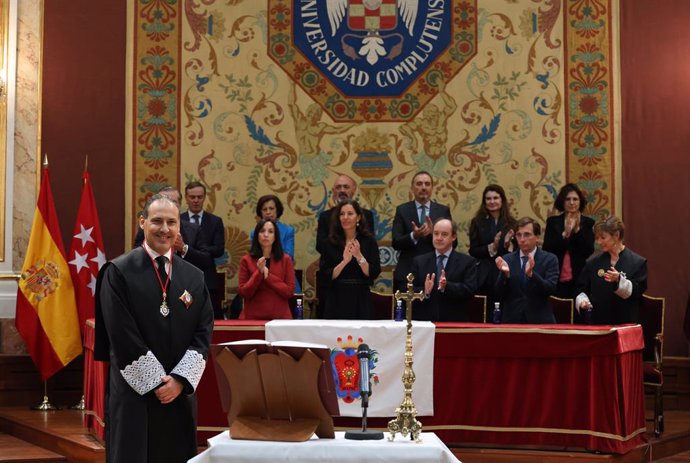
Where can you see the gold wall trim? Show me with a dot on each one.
(4, 35)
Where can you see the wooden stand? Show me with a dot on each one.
(276, 392)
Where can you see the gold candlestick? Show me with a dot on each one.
(405, 421)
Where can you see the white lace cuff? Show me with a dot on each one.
(191, 367)
(625, 287)
(144, 374)
(579, 300)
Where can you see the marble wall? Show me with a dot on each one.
(23, 173)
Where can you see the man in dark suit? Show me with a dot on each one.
(448, 277)
(191, 244)
(527, 278)
(214, 232)
(344, 188)
(211, 224)
(412, 226)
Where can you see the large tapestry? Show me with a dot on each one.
(253, 97)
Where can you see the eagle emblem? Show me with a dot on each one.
(367, 19)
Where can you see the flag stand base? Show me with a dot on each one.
(45, 405)
(79, 406)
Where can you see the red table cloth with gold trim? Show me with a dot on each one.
(550, 386)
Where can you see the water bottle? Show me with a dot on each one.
(399, 312)
(299, 310)
(497, 313)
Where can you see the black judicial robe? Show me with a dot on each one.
(142, 345)
(607, 307)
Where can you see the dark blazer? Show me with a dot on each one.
(214, 231)
(580, 245)
(461, 284)
(197, 252)
(482, 233)
(607, 307)
(528, 303)
(324, 227)
(405, 214)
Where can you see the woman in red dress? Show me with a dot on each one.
(267, 276)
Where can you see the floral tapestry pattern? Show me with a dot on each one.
(531, 110)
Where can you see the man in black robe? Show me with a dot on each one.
(153, 323)
(191, 243)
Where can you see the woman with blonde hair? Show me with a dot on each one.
(612, 283)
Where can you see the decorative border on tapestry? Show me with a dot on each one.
(155, 99)
(590, 160)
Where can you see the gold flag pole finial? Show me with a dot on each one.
(45, 160)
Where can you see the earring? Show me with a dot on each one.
(358, 223)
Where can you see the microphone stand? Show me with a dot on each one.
(364, 434)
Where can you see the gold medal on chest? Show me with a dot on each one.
(164, 307)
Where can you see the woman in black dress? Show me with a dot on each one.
(570, 237)
(351, 264)
(612, 283)
(491, 235)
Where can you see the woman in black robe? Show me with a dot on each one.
(612, 283)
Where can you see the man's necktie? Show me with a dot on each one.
(439, 266)
(523, 275)
(161, 261)
(195, 219)
(422, 215)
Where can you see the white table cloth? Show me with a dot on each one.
(223, 449)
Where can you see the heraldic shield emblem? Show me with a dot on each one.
(377, 60)
(41, 279)
(372, 15)
(346, 368)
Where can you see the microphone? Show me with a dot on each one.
(364, 356)
(364, 387)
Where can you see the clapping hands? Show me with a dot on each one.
(423, 230)
(352, 249)
(503, 266)
(261, 265)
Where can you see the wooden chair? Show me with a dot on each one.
(384, 305)
(235, 307)
(652, 321)
(220, 295)
(563, 310)
(476, 309)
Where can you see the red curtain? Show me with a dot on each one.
(655, 90)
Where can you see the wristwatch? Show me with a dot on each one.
(361, 260)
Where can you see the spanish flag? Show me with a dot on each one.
(46, 309)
